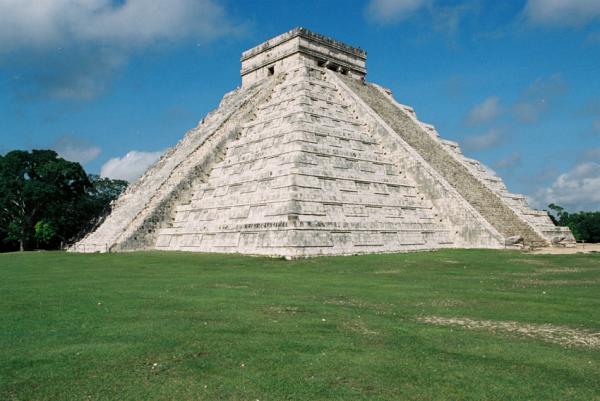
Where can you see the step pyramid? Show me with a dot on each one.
(305, 159)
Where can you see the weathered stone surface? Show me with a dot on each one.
(147, 204)
(306, 159)
(514, 240)
(301, 46)
(306, 177)
(506, 212)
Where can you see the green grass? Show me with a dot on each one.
(179, 326)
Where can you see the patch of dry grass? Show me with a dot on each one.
(565, 336)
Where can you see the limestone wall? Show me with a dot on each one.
(145, 205)
(284, 51)
(305, 177)
(508, 213)
(468, 228)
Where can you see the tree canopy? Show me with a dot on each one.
(585, 226)
(46, 200)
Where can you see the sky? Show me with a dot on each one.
(113, 83)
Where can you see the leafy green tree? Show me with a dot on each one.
(585, 226)
(103, 191)
(39, 185)
(46, 200)
(44, 231)
(559, 212)
(99, 197)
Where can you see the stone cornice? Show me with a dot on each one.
(309, 35)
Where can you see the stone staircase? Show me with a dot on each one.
(147, 205)
(491, 207)
(539, 219)
(305, 178)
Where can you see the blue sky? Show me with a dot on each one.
(111, 84)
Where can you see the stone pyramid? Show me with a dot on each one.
(306, 158)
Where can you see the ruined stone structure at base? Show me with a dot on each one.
(305, 159)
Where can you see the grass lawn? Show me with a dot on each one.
(180, 326)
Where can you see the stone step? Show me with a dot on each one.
(146, 203)
(486, 202)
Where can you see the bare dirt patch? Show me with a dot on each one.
(548, 277)
(565, 336)
(580, 248)
(356, 303)
(560, 270)
(283, 310)
(389, 272)
(448, 303)
(549, 271)
(230, 286)
(533, 282)
(360, 327)
(534, 262)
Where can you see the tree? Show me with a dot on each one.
(585, 226)
(99, 197)
(103, 191)
(44, 232)
(45, 200)
(559, 213)
(38, 186)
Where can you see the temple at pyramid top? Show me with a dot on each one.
(301, 46)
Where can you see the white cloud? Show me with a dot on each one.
(76, 149)
(71, 49)
(485, 111)
(389, 11)
(447, 19)
(483, 141)
(509, 161)
(530, 111)
(37, 23)
(129, 167)
(592, 109)
(442, 18)
(577, 189)
(592, 39)
(538, 98)
(551, 86)
(591, 154)
(561, 12)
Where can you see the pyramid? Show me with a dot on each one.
(305, 159)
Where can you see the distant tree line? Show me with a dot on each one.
(46, 201)
(585, 226)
